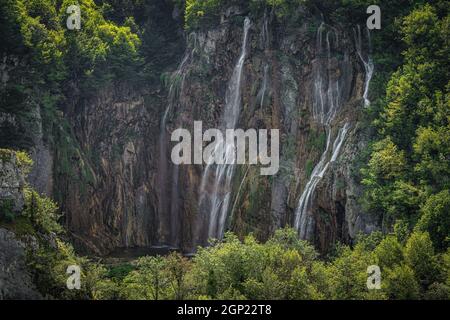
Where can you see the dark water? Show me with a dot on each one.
(134, 253)
(125, 255)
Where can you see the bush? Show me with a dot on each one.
(435, 219)
(42, 212)
(401, 284)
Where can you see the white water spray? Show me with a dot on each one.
(326, 104)
(303, 218)
(368, 63)
(215, 188)
(167, 212)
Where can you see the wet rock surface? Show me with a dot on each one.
(15, 279)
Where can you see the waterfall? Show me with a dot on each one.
(167, 212)
(326, 104)
(302, 215)
(215, 188)
(263, 90)
(264, 37)
(265, 44)
(326, 89)
(368, 64)
(239, 191)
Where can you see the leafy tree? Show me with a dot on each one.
(436, 219)
(178, 267)
(389, 253)
(42, 211)
(401, 284)
(419, 255)
(408, 173)
(149, 281)
(437, 291)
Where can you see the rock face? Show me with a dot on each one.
(308, 82)
(109, 196)
(15, 279)
(110, 169)
(11, 183)
(137, 197)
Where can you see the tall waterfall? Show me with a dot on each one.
(263, 91)
(327, 97)
(368, 63)
(326, 104)
(215, 188)
(303, 218)
(167, 211)
(265, 44)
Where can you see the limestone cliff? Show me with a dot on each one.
(15, 277)
(286, 73)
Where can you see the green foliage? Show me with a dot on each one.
(119, 272)
(199, 13)
(21, 159)
(348, 274)
(389, 252)
(419, 255)
(47, 255)
(24, 162)
(178, 268)
(256, 271)
(49, 264)
(287, 268)
(371, 241)
(149, 281)
(99, 49)
(437, 291)
(408, 173)
(282, 268)
(196, 10)
(42, 212)
(435, 219)
(317, 141)
(7, 210)
(401, 283)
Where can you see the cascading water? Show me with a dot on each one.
(326, 104)
(167, 211)
(265, 86)
(215, 189)
(368, 63)
(238, 193)
(302, 216)
(264, 39)
(265, 43)
(326, 88)
(262, 93)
